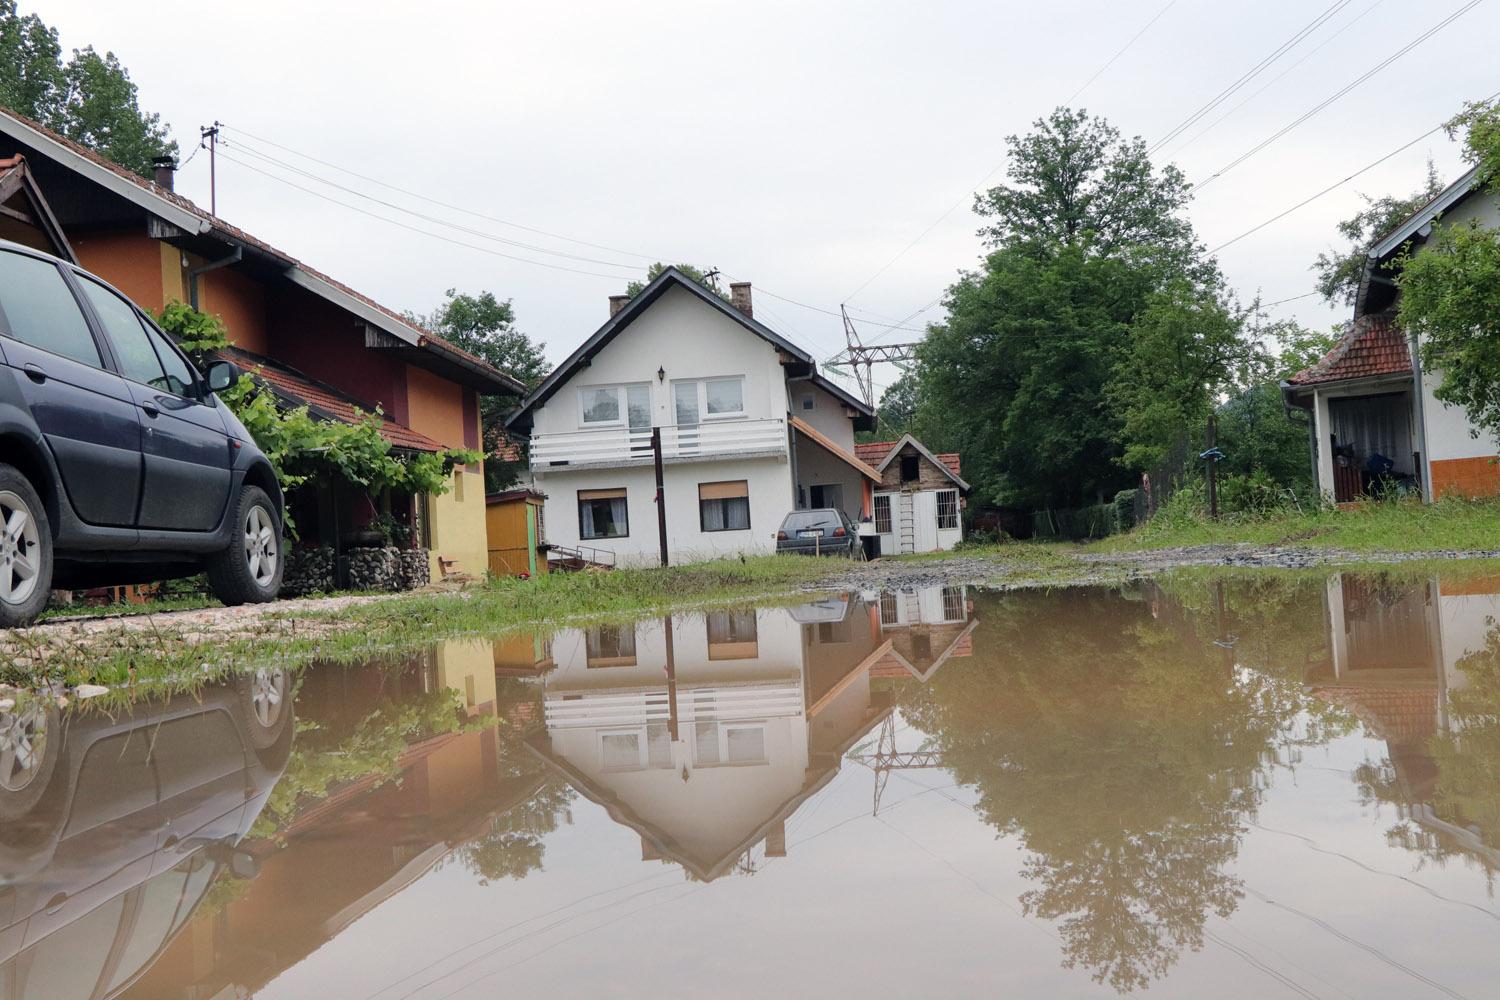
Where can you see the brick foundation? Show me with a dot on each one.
(1466, 477)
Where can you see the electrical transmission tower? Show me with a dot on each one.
(887, 758)
(859, 358)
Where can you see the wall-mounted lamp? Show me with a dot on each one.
(661, 374)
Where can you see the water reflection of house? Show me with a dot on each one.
(926, 628)
(1394, 655)
(705, 732)
(372, 835)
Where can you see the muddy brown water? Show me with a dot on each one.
(1186, 788)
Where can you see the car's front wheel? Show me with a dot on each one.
(25, 550)
(249, 570)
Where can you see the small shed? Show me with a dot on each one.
(513, 524)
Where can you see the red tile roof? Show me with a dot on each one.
(325, 401)
(427, 338)
(1400, 715)
(874, 453)
(1373, 345)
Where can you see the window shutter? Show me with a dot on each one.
(723, 491)
(601, 494)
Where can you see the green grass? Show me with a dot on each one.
(186, 602)
(1390, 526)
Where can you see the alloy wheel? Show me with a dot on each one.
(261, 546)
(20, 548)
(267, 692)
(23, 746)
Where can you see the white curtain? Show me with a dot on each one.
(732, 514)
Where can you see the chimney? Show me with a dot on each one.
(739, 297)
(616, 303)
(166, 170)
(776, 840)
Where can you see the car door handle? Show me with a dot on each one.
(35, 373)
(151, 409)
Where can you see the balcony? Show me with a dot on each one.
(618, 446)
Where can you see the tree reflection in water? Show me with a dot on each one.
(1126, 750)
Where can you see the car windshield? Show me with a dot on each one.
(802, 519)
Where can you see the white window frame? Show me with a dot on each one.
(701, 386)
(721, 733)
(938, 511)
(642, 733)
(622, 404)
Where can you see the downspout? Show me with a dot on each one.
(791, 451)
(213, 265)
(1419, 411)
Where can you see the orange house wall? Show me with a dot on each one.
(435, 407)
(1466, 477)
(131, 262)
(240, 302)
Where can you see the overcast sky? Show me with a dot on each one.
(800, 146)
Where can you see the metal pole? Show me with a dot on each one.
(1213, 468)
(672, 721)
(661, 494)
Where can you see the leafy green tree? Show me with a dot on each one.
(1083, 236)
(897, 413)
(485, 326)
(31, 81)
(1450, 289)
(90, 99)
(1187, 347)
(1340, 271)
(698, 274)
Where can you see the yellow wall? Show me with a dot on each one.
(468, 667)
(435, 407)
(458, 529)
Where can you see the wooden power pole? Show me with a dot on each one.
(661, 493)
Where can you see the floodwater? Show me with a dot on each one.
(1191, 788)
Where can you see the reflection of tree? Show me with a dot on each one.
(1456, 776)
(323, 759)
(512, 846)
(1124, 750)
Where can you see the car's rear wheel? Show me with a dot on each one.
(249, 570)
(25, 550)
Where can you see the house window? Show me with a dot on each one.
(602, 514)
(458, 484)
(911, 468)
(808, 402)
(834, 632)
(729, 743)
(947, 509)
(724, 506)
(610, 646)
(828, 495)
(648, 746)
(882, 513)
(708, 399)
(616, 405)
(732, 635)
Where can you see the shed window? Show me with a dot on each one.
(602, 514)
(724, 506)
(911, 469)
(882, 513)
(947, 509)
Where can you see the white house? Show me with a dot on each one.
(705, 732)
(1368, 400)
(918, 498)
(750, 430)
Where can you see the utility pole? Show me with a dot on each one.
(661, 493)
(209, 135)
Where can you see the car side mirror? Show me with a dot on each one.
(220, 376)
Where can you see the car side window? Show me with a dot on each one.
(41, 309)
(138, 360)
(179, 376)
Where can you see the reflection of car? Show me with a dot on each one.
(120, 464)
(827, 531)
(113, 827)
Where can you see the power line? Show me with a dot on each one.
(993, 170)
(1279, 76)
(1250, 74)
(414, 229)
(442, 204)
(1337, 184)
(425, 217)
(1363, 77)
(1133, 39)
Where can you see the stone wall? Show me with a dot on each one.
(929, 476)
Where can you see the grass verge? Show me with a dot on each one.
(1388, 526)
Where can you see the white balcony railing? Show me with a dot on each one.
(622, 446)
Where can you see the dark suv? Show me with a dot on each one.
(117, 462)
